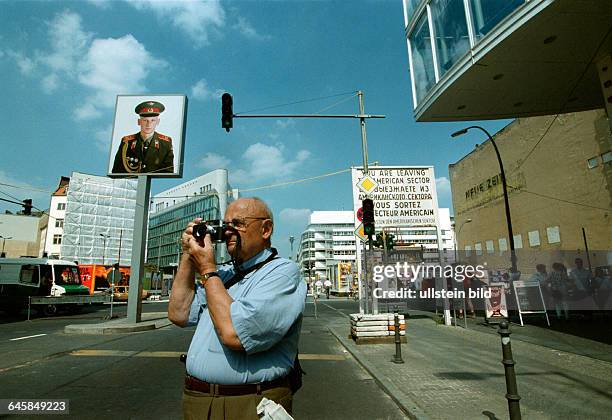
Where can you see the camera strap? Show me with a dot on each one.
(242, 273)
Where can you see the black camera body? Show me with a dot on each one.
(214, 228)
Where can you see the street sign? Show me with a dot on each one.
(367, 184)
(360, 233)
(360, 214)
(403, 195)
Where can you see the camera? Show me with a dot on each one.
(214, 228)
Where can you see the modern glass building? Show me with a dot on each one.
(492, 59)
(206, 196)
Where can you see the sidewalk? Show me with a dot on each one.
(149, 321)
(454, 373)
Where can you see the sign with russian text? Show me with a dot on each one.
(404, 196)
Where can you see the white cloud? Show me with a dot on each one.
(103, 138)
(295, 217)
(203, 92)
(246, 29)
(50, 83)
(290, 122)
(198, 19)
(26, 65)
(68, 42)
(114, 66)
(212, 161)
(264, 162)
(443, 189)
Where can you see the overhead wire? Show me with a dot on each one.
(296, 102)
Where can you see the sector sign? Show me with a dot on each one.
(405, 196)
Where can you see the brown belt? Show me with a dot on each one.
(195, 384)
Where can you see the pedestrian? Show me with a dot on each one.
(557, 284)
(146, 151)
(245, 343)
(581, 277)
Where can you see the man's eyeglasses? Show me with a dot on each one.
(241, 223)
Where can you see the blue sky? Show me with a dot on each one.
(63, 63)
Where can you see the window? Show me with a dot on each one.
(468, 250)
(478, 248)
(534, 238)
(490, 247)
(487, 14)
(451, 32)
(607, 157)
(552, 232)
(57, 239)
(61, 206)
(503, 245)
(518, 241)
(422, 58)
(29, 274)
(593, 162)
(59, 223)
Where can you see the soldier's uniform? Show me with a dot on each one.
(137, 156)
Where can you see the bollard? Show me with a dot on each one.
(512, 396)
(397, 358)
(183, 358)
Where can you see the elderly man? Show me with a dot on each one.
(248, 317)
(147, 151)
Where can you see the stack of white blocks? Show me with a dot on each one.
(380, 325)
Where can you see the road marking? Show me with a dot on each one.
(127, 353)
(29, 336)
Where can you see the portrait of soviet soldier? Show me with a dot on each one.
(146, 151)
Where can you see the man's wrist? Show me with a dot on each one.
(205, 276)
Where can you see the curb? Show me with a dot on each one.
(151, 322)
(406, 404)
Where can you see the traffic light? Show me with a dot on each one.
(27, 206)
(368, 216)
(227, 112)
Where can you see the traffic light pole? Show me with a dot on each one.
(227, 124)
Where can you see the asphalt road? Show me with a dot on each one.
(139, 375)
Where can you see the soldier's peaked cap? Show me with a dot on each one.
(149, 109)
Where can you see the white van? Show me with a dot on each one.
(23, 277)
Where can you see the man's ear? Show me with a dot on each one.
(267, 228)
(138, 121)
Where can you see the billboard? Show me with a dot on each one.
(148, 136)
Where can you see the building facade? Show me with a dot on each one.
(98, 220)
(327, 243)
(19, 235)
(560, 195)
(206, 196)
(54, 233)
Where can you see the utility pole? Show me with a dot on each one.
(104, 247)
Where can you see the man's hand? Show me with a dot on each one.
(202, 256)
(188, 234)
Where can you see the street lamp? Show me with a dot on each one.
(457, 235)
(4, 239)
(104, 246)
(291, 239)
(504, 186)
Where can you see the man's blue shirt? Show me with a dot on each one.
(267, 315)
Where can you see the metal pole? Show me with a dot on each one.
(365, 278)
(397, 358)
(138, 248)
(512, 396)
(158, 257)
(364, 143)
(505, 190)
(586, 248)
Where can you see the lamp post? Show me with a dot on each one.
(457, 235)
(104, 247)
(291, 239)
(504, 186)
(4, 239)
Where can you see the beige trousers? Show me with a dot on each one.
(203, 406)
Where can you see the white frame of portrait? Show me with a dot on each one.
(173, 123)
